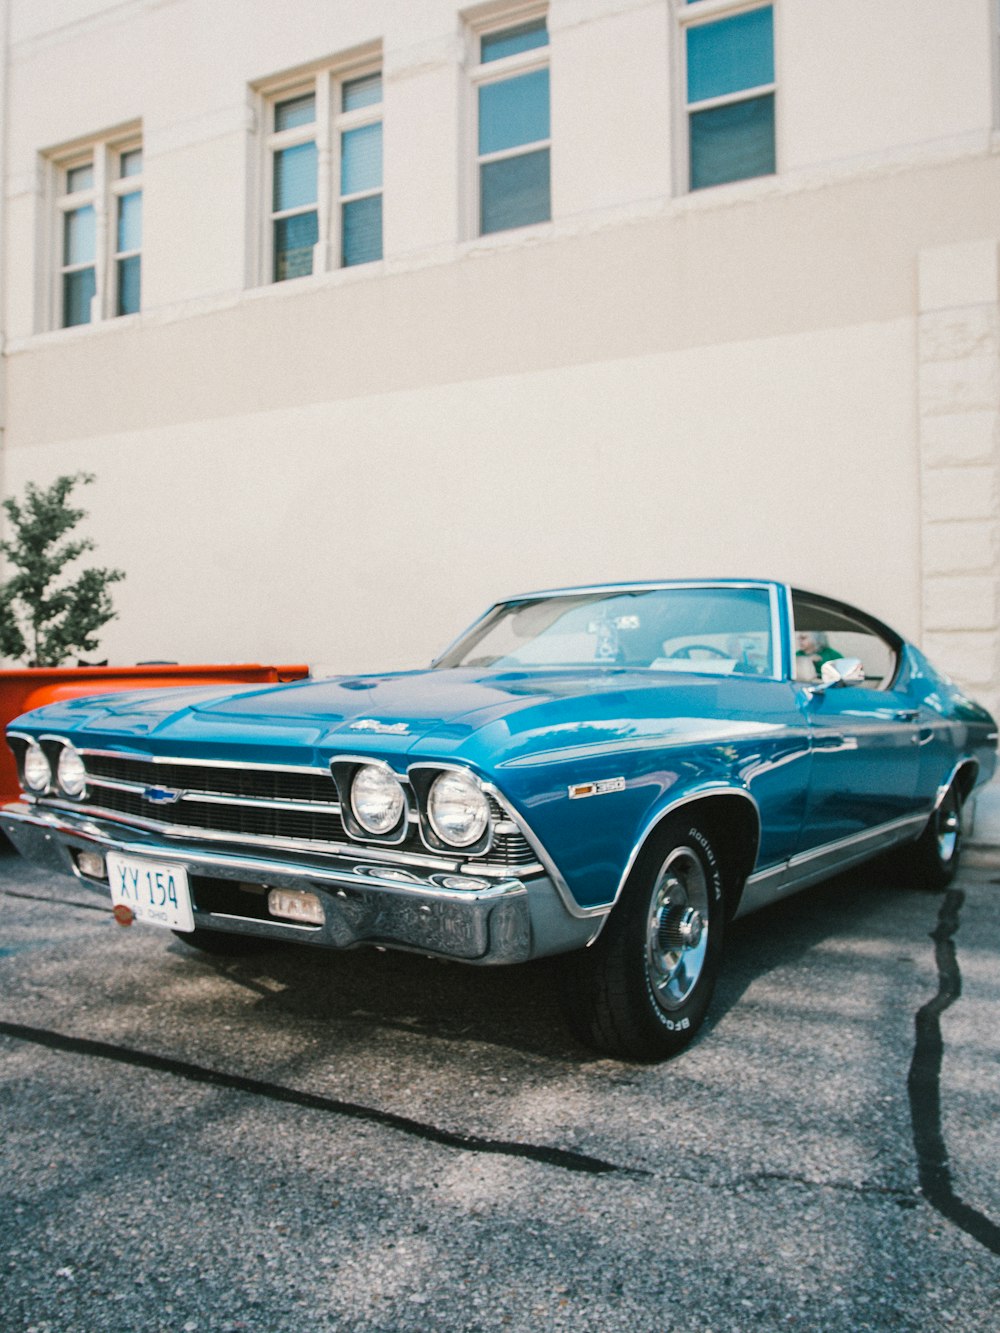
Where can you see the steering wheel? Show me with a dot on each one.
(690, 648)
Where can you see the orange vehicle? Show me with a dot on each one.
(22, 689)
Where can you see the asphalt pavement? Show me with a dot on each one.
(373, 1141)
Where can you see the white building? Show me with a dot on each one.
(367, 312)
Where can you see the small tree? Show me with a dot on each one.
(43, 617)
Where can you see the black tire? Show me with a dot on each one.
(220, 942)
(642, 990)
(932, 861)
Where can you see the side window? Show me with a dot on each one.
(824, 632)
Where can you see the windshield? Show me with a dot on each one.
(721, 631)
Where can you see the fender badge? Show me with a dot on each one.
(601, 788)
(382, 728)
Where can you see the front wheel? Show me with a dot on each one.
(642, 990)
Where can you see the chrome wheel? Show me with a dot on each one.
(677, 929)
(949, 827)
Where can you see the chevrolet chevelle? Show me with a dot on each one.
(611, 773)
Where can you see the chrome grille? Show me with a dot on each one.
(253, 803)
(266, 784)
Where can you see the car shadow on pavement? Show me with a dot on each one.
(520, 1007)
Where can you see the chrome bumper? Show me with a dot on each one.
(510, 921)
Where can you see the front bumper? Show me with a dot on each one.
(510, 921)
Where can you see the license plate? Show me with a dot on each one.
(156, 892)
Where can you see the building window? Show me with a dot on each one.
(511, 84)
(100, 233)
(127, 191)
(328, 128)
(360, 127)
(729, 66)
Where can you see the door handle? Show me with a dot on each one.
(906, 714)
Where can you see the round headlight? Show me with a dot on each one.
(71, 773)
(458, 809)
(377, 799)
(37, 769)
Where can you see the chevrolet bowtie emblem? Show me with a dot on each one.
(161, 795)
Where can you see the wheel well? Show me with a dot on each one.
(732, 826)
(965, 779)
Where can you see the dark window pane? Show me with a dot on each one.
(295, 177)
(525, 37)
(730, 55)
(361, 159)
(514, 111)
(361, 231)
(296, 111)
(78, 291)
(732, 143)
(361, 92)
(514, 192)
(294, 239)
(129, 274)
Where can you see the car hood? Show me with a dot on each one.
(487, 718)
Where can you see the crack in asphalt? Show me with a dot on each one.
(924, 1086)
(904, 1197)
(564, 1158)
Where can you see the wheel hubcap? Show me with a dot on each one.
(677, 928)
(949, 828)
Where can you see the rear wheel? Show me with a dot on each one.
(642, 990)
(931, 862)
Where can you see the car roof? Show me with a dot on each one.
(639, 585)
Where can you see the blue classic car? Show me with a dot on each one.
(610, 773)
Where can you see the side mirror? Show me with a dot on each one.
(841, 671)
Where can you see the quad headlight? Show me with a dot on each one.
(70, 772)
(377, 799)
(37, 769)
(457, 808)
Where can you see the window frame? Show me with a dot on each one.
(103, 154)
(701, 13)
(480, 74)
(325, 83)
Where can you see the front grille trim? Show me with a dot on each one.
(275, 822)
